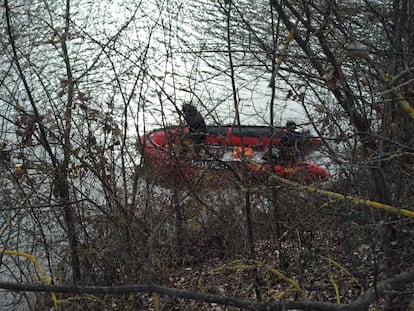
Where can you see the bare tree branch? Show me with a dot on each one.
(362, 302)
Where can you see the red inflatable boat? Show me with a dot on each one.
(247, 150)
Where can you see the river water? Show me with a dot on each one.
(144, 59)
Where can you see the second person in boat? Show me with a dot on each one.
(197, 128)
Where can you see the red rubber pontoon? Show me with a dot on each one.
(227, 149)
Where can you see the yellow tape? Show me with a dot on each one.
(405, 105)
(254, 264)
(349, 198)
(38, 266)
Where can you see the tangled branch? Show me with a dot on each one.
(370, 296)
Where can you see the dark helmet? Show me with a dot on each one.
(290, 125)
(188, 109)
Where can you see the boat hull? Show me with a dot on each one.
(228, 153)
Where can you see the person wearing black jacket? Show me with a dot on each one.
(289, 143)
(285, 151)
(197, 128)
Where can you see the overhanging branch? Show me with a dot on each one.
(370, 296)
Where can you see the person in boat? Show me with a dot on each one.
(197, 128)
(285, 151)
(288, 143)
